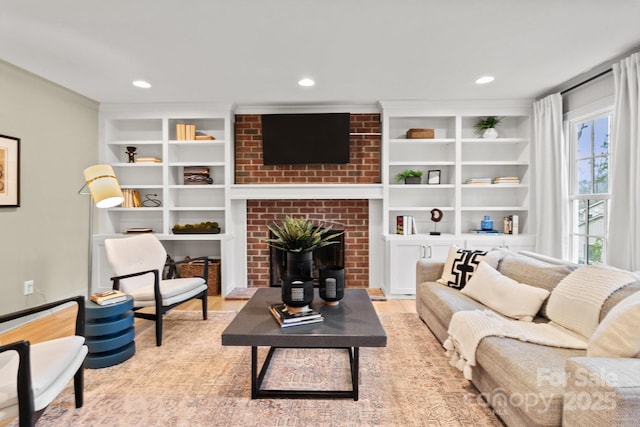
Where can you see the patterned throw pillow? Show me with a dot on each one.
(462, 263)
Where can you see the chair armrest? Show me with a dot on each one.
(26, 404)
(428, 270)
(80, 316)
(601, 391)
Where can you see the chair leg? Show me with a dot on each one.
(78, 386)
(205, 303)
(159, 329)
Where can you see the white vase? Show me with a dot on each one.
(490, 133)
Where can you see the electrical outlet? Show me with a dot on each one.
(28, 287)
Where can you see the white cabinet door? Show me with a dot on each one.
(403, 256)
(513, 243)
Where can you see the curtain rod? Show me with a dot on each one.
(584, 82)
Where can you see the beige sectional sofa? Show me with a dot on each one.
(529, 384)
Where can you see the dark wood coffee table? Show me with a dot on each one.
(350, 325)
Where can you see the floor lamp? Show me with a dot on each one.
(105, 193)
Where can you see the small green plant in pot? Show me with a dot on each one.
(410, 176)
(487, 126)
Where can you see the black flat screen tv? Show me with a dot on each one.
(301, 139)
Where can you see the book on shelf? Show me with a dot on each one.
(204, 137)
(405, 224)
(511, 225)
(131, 198)
(288, 318)
(108, 297)
(148, 160)
(478, 181)
(185, 132)
(506, 180)
(479, 231)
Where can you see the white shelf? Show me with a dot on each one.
(422, 141)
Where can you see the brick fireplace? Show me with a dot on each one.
(350, 214)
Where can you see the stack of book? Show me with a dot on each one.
(197, 175)
(131, 198)
(148, 160)
(406, 224)
(185, 132)
(479, 181)
(288, 318)
(108, 297)
(511, 225)
(506, 180)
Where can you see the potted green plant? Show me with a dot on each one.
(410, 176)
(487, 126)
(300, 236)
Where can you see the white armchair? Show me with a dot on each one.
(32, 375)
(138, 263)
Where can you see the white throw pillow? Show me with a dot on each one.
(618, 335)
(504, 295)
(462, 263)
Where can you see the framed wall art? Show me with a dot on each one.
(433, 177)
(9, 171)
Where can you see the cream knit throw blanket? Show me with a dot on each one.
(468, 328)
(574, 309)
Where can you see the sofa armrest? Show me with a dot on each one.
(428, 270)
(601, 391)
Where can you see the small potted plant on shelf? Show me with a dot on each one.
(410, 176)
(487, 126)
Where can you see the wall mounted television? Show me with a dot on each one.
(300, 139)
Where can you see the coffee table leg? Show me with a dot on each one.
(254, 372)
(355, 372)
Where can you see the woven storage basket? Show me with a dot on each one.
(196, 268)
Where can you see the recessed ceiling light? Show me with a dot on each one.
(142, 84)
(485, 79)
(306, 82)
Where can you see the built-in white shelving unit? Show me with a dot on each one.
(152, 130)
(460, 154)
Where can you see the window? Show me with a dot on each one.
(590, 142)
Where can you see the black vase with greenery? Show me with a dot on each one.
(299, 237)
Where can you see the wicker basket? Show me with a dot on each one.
(196, 268)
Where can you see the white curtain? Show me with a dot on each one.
(551, 178)
(624, 219)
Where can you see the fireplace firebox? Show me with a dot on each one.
(331, 255)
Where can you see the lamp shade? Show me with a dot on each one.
(103, 185)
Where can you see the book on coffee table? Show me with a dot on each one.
(287, 318)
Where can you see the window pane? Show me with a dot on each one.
(584, 176)
(601, 136)
(601, 175)
(580, 247)
(596, 218)
(595, 250)
(584, 139)
(582, 217)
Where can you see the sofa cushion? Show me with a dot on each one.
(462, 263)
(530, 377)
(618, 334)
(533, 272)
(575, 303)
(445, 301)
(503, 294)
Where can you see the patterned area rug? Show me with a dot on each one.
(376, 294)
(192, 380)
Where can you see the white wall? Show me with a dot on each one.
(45, 239)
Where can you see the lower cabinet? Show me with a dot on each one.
(403, 252)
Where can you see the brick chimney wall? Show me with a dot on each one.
(352, 215)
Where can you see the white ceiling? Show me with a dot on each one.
(358, 51)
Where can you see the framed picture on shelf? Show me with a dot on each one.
(9, 171)
(433, 177)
